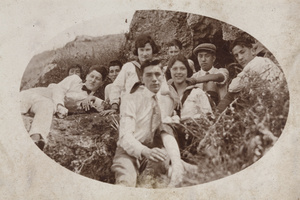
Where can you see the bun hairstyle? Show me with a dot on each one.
(182, 59)
(142, 40)
(102, 70)
(243, 42)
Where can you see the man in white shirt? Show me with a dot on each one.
(244, 53)
(137, 140)
(209, 78)
(68, 95)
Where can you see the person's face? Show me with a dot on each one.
(153, 77)
(93, 80)
(145, 53)
(243, 55)
(178, 72)
(75, 70)
(173, 50)
(206, 60)
(113, 72)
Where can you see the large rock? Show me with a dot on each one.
(162, 25)
(190, 29)
(83, 50)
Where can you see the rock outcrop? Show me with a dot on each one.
(162, 25)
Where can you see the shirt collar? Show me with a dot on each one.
(147, 93)
(209, 71)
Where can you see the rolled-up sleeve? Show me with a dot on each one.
(126, 130)
(236, 84)
(59, 90)
(225, 73)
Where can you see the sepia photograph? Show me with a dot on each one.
(155, 100)
(227, 101)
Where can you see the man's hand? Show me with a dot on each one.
(87, 103)
(62, 111)
(176, 171)
(154, 154)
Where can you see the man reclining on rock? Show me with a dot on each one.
(70, 94)
(142, 135)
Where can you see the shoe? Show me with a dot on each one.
(38, 140)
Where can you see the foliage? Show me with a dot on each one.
(85, 144)
(240, 135)
(233, 140)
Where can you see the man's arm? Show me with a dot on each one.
(59, 90)
(172, 149)
(209, 77)
(127, 127)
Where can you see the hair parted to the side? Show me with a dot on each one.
(148, 63)
(182, 59)
(102, 70)
(115, 63)
(176, 43)
(240, 41)
(142, 40)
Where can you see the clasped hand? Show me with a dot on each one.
(155, 154)
(62, 111)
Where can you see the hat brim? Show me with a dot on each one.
(196, 51)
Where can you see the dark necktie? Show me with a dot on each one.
(84, 88)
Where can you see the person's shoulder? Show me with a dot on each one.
(190, 62)
(197, 74)
(136, 95)
(222, 69)
(73, 77)
(128, 65)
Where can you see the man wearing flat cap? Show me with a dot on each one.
(209, 78)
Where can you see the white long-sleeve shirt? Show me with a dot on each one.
(136, 112)
(69, 93)
(125, 80)
(260, 65)
(222, 86)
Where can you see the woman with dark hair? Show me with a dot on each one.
(194, 100)
(75, 69)
(130, 73)
(174, 47)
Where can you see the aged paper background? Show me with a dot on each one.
(27, 173)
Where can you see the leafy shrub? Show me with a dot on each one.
(240, 135)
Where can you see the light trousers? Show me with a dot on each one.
(38, 102)
(126, 167)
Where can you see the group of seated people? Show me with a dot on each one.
(148, 97)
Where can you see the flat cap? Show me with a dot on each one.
(205, 47)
